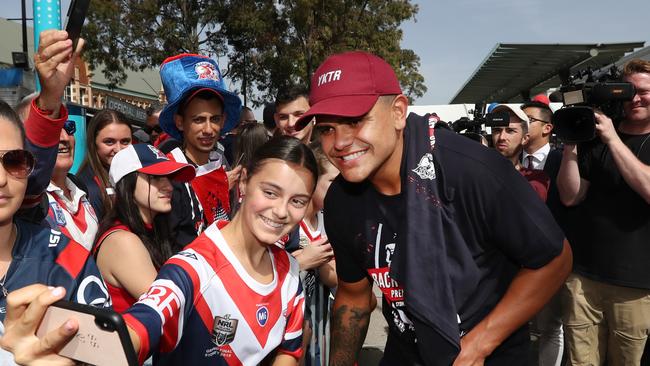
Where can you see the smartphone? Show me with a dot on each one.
(102, 338)
(76, 17)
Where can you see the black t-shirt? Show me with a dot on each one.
(613, 239)
(503, 222)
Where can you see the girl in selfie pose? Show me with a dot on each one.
(134, 238)
(32, 253)
(232, 296)
(108, 133)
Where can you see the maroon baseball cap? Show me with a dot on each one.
(348, 85)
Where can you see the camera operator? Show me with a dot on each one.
(606, 301)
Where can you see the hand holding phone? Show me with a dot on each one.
(25, 308)
(76, 17)
(102, 338)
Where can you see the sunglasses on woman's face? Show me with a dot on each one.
(19, 163)
(70, 127)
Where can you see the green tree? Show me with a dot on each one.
(267, 44)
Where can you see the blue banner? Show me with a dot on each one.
(11, 77)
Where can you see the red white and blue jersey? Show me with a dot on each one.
(210, 185)
(75, 218)
(43, 255)
(205, 309)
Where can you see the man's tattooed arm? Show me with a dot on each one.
(350, 319)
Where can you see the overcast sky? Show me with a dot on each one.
(453, 37)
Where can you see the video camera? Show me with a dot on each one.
(584, 91)
(474, 127)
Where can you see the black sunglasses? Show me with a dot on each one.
(70, 127)
(19, 163)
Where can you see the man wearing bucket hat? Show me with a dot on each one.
(422, 212)
(200, 108)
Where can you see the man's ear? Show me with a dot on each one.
(178, 121)
(547, 128)
(399, 110)
(525, 139)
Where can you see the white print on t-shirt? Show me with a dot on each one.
(426, 169)
(391, 290)
(390, 249)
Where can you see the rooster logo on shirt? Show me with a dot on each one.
(426, 168)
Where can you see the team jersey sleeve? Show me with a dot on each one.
(159, 314)
(42, 140)
(292, 340)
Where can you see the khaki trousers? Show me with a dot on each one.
(604, 322)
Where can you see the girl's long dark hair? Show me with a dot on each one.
(102, 119)
(157, 241)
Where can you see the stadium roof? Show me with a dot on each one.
(513, 69)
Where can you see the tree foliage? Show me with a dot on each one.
(264, 44)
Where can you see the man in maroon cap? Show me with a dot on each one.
(462, 249)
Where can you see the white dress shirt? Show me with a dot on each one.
(539, 157)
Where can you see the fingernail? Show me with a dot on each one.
(57, 291)
(50, 288)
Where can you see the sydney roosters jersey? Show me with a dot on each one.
(43, 255)
(205, 309)
(210, 186)
(75, 218)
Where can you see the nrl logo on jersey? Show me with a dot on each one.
(426, 169)
(223, 330)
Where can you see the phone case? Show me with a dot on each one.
(102, 338)
(76, 17)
